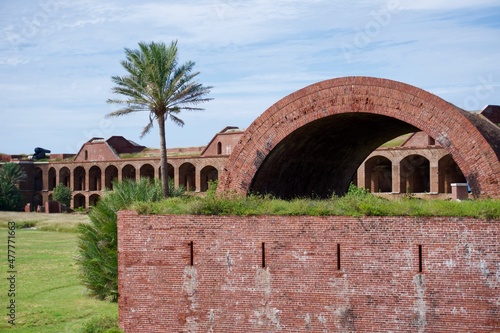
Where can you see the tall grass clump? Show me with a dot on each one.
(97, 240)
(102, 324)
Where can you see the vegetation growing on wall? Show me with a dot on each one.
(357, 202)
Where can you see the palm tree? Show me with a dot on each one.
(10, 196)
(12, 173)
(157, 84)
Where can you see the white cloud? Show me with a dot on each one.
(253, 52)
(447, 5)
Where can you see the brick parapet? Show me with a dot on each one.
(301, 288)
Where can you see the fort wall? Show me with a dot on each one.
(308, 274)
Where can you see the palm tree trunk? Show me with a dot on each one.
(163, 154)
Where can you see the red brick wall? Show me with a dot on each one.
(98, 151)
(418, 139)
(378, 287)
(228, 142)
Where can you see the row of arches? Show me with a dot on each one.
(97, 179)
(85, 180)
(392, 171)
(412, 173)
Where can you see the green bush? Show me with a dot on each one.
(97, 246)
(62, 194)
(102, 324)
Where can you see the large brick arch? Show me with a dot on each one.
(312, 141)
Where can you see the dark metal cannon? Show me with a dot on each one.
(40, 153)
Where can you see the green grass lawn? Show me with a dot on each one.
(49, 297)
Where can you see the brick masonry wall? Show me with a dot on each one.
(99, 151)
(376, 286)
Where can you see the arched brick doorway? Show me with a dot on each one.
(128, 172)
(449, 173)
(187, 176)
(52, 179)
(378, 174)
(313, 140)
(414, 173)
(79, 201)
(207, 174)
(79, 179)
(65, 177)
(95, 178)
(94, 199)
(147, 171)
(110, 175)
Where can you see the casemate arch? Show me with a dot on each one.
(311, 142)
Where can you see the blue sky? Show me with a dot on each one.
(57, 58)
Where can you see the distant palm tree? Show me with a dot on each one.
(157, 84)
(12, 173)
(10, 196)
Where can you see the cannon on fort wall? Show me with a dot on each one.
(40, 153)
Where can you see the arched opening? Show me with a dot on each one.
(128, 172)
(38, 179)
(52, 179)
(311, 142)
(449, 173)
(79, 179)
(79, 201)
(94, 199)
(147, 171)
(37, 202)
(207, 174)
(95, 178)
(65, 177)
(321, 158)
(170, 171)
(110, 175)
(378, 174)
(219, 148)
(187, 174)
(414, 174)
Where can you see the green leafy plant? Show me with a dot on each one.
(10, 196)
(97, 247)
(62, 194)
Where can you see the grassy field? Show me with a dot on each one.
(49, 297)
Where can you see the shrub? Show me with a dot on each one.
(62, 194)
(97, 246)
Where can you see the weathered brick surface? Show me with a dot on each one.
(461, 134)
(378, 287)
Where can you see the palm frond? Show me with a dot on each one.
(149, 126)
(175, 120)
